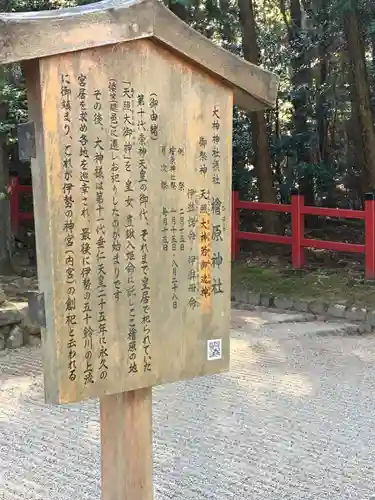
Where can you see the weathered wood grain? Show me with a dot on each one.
(35, 35)
(126, 445)
(170, 257)
(44, 234)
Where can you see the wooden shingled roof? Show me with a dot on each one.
(33, 35)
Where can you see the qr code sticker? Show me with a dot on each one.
(213, 349)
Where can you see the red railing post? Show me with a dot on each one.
(298, 230)
(235, 224)
(14, 204)
(370, 236)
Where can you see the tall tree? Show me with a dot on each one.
(301, 84)
(5, 226)
(262, 159)
(178, 8)
(321, 25)
(360, 90)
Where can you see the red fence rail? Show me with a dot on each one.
(16, 216)
(297, 209)
(297, 241)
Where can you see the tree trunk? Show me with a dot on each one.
(5, 226)
(360, 94)
(262, 160)
(226, 23)
(301, 82)
(321, 111)
(322, 79)
(178, 9)
(6, 239)
(373, 66)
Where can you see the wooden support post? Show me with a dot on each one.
(370, 236)
(298, 230)
(126, 442)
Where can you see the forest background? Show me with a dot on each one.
(320, 138)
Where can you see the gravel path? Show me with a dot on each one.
(292, 420)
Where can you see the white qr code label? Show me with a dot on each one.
(213, 349)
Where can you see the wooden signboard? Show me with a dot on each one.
(137, 198)
(132, 112)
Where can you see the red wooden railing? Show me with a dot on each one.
(16, 216)
(297, 209)
(298, 242)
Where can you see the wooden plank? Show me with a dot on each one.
(126, 445)
(139, 290)
(35, 35)
(43, 233)
(32, 35)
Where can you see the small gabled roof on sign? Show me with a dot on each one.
(33, 35)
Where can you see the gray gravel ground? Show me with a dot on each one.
(294, 419)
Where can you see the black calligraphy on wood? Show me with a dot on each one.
(154, 116)
(114, 146)
(85, 233)
(101, 238)
(217, 205)
(203, 156)
(128, 132)
(193, 242)
(143, 217)
(205, 246)
(70, 313)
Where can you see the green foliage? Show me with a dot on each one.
(13, 96)
(309, 132)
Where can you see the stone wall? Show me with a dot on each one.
(16, 327)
